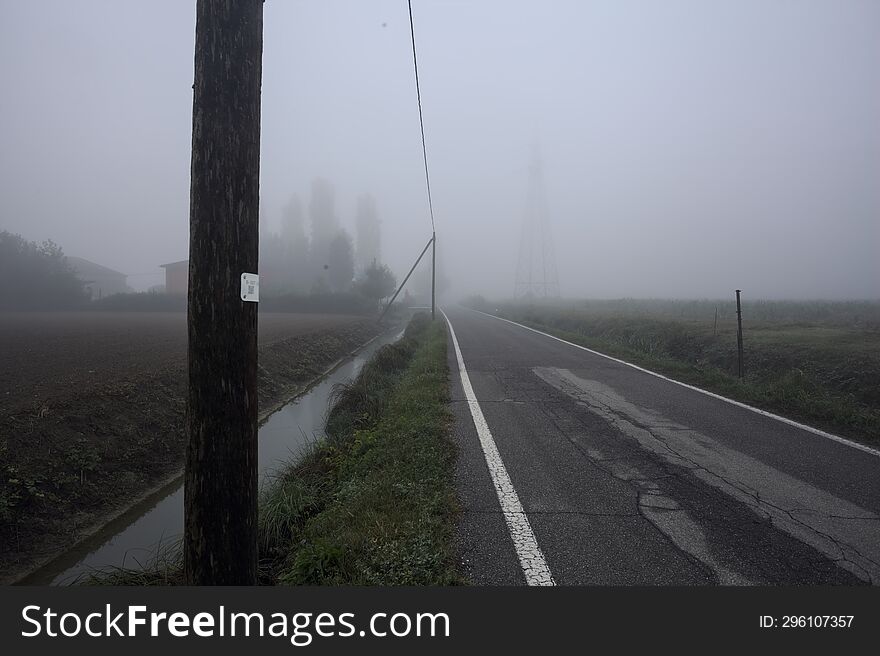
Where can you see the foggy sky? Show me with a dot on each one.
(689, 147)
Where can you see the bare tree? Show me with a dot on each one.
(220, 545)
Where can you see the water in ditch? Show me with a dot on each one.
(134, 539)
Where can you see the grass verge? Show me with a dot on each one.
(374, 503)
(806, 368)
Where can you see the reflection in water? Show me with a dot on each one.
(282, 438)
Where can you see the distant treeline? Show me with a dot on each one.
(312, 253)
(37, 276)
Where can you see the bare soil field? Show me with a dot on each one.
(92, 408)
(46, 356)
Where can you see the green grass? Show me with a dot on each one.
(374, 504)
(814, 362)
(163, 568)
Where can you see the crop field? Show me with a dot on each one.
(817, 362)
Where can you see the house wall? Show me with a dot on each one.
(177, 279)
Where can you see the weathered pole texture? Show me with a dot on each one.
(739, 334)
(433, 274)
(220, 545)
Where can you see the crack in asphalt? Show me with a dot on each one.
(726, 470)
(651, 511)
(841, 546)
(681, 531)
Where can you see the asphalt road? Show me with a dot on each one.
(626, 478)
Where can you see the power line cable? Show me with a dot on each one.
(412, 33)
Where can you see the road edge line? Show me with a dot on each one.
(531, 558)
(765, 413)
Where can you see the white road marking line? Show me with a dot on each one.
(530, 556)
(784, 420)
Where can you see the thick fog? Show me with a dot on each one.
(689, 147)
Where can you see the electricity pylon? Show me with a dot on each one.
(536, 275)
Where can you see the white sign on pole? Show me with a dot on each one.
(250, 287)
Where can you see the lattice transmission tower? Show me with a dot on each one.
(536, 275)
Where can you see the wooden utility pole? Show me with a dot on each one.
(220, 545)
(739, 333)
